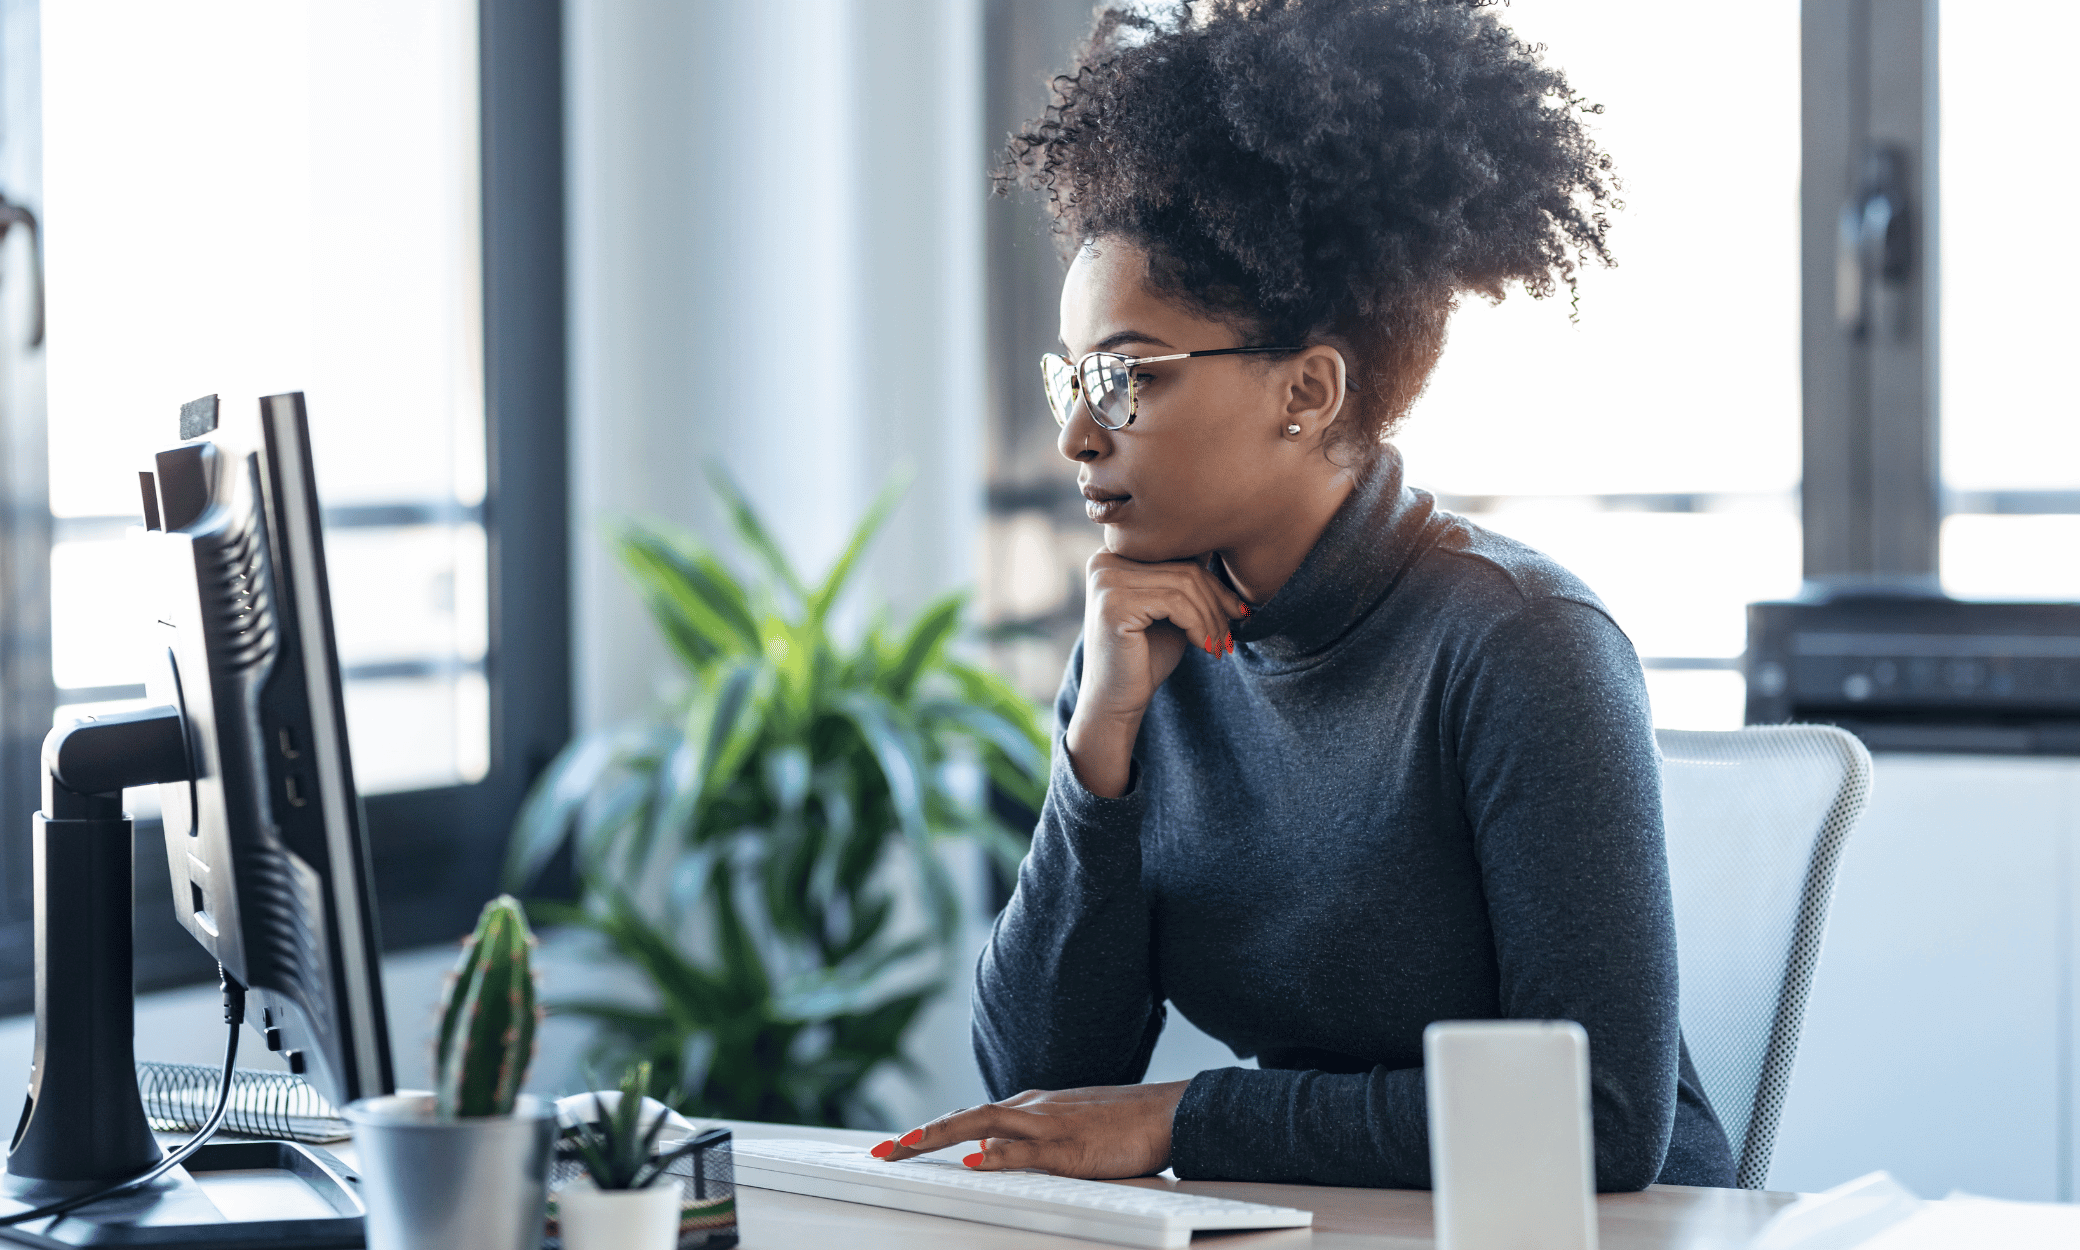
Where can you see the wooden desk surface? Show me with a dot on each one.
(1664, 1217)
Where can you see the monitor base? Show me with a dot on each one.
(232, 1195)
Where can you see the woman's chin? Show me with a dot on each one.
(1133, 543)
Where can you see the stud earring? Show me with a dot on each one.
(1292, 429)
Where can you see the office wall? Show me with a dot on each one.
(775, 264)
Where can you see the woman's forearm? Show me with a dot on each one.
(1063, 992)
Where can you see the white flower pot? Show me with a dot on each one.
(590, 1218)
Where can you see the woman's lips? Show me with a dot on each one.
(1104, 506)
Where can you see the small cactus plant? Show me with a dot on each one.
(488, 1020)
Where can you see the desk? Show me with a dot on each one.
(1664, 1217)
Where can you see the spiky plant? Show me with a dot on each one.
(617, 1150)
(749, 849)
(488, 1018)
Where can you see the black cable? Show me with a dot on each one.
(235, 1016)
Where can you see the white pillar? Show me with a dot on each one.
(775, 262)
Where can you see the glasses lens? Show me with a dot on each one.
(1060, 377)
(1109, 383)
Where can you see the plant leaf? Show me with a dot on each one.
(993, 729)
(903, 768)
(724, 724)
(983, 688)
(553, 803)
(701, 607)
(820, 601)
(927, 638)
(753, 533)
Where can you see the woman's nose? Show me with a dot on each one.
(1081, 438)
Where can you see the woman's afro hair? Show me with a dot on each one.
(1324, 171)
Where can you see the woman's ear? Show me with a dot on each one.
(1315, 391)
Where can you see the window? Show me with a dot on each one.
(2011, 422)
(362, 202)
(265, 197)
(1651, 444)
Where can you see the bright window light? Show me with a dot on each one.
(245, 197)
(2011, 415)
(1677, 380)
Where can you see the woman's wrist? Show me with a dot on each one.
(1101, 751)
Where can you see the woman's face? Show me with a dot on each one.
(1207, 463)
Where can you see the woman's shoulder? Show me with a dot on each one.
(1518, 626)
(1479, 573)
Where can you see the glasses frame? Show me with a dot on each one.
(1074, 370)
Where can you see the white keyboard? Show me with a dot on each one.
(1126, 1215)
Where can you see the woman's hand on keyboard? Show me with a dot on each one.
(1099, 1133)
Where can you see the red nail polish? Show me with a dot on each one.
(973, 1160)
(1209, 644)
(883, 1150)
(1230, 644)
(1245, 611)
(912, 1137)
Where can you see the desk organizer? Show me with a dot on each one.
(707, 1192)
(178, 1097)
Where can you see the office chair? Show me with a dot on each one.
(1756, 819)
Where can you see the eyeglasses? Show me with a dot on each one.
(1105, 381)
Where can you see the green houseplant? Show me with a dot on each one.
(761, 849)
(619, 1205)
(476, 1135)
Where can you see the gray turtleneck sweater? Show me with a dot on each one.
(1425, 787)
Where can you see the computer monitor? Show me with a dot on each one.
(264, 836)
(266, 844)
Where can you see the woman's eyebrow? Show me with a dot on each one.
(1119, 339)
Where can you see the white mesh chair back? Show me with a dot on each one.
(1756, 819)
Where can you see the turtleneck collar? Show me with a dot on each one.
(1361, 553)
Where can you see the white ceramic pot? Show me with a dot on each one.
(591, 1218)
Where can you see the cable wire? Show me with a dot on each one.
(235, 1016)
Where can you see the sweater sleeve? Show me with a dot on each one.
(1548, 722)
(1064, 992)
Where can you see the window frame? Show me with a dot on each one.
(437, 853)
(1871, 489)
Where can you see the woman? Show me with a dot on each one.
(1334, 764)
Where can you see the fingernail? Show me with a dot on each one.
(973, 1160)
(1209, 644)
(912, 1137)
(1245, 610)
(883, 1150)
(1231, 644)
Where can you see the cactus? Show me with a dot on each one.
(488, 1021)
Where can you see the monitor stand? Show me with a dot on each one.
(84, 1126)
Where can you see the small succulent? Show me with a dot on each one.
(488, 1019)
(617, 1150)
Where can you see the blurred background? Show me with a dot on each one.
(539, 265)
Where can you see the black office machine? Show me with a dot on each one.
(269, 860)
(1930, 674)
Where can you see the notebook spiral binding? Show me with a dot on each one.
(178, 1097)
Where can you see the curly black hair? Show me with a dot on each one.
(1332, 171)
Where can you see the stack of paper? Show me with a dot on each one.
(1876, 1212)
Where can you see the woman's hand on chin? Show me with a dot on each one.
(1137, 621)
(1100, 1133)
